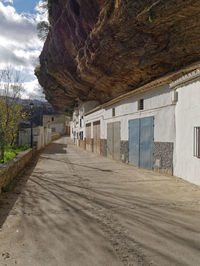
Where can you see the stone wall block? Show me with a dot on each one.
(124, 151)
(163, 157)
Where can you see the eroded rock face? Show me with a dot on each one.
(98, 49)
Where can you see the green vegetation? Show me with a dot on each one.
(43, 29)
(150, 15)
(37, 69)
(6, 188)
(109, 9)
(11, 113)
(9, 155)
(11, 151)
(91, 35)
(150, 18)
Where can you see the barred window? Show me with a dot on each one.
(197, 142)
(113, 112)
(141, 104)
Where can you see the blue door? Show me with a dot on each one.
(134, 140)
(146, 142)
(141, 142)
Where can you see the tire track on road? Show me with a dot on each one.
(130, 252)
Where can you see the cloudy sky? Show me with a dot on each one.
(19, 44)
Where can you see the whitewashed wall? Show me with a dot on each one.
(38, 137)
(157, 103)
(93, 117)
(58, 127)
(77, 115)
(187, 114)
(24, 136)
(71, 129)
(41, 136)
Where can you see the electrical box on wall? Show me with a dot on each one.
(174, 97)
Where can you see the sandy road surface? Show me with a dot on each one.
(74, 208)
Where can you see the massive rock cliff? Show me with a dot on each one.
(99, 49)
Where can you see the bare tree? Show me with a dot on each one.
(43, 29)
(10, 111)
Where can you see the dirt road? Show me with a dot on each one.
(74, 208)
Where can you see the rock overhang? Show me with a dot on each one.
(102, 49)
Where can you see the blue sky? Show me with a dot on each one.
(25, 5)
(20, 46)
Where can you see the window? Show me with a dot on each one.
(141, 104)
(197, 142)
(80, 122)
(81, 135)
(113, 112)
(53, 129)
(52, 119)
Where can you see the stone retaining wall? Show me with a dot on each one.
(9, 170)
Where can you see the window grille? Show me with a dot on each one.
(197, 142)
(81, 135)
(113, 112)
(141, 104)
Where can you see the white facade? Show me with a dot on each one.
(175, 107)
(41, 136)
(77, 124)
(187, 114)
(57, 128)
(157, 103)
(57, 123)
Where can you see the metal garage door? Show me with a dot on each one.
(141, 142)
(88, 137)
(113, 140)
(96, 137)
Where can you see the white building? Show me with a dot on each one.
(58, 123)
(77, 124)
(156, 126)
(187, 114)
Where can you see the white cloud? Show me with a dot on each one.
(33, 91)
(8, 1)
(19, 44)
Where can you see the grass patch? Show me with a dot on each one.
(17, 148)
(11, 151)
(8, 155)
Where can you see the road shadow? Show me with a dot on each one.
(154, 224)
(56, 148)
(8, 199)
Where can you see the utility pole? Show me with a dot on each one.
(31, 106)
